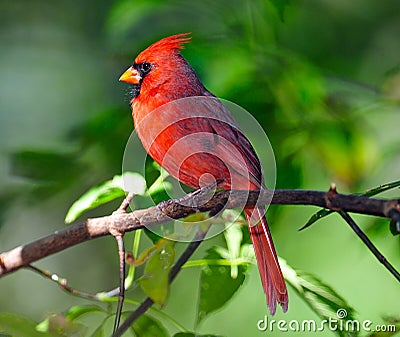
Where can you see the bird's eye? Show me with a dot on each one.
(145, 67)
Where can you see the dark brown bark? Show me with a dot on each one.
(125, 222)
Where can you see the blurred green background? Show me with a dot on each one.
(321, 77)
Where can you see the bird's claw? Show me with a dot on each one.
(190, 200)
(162, 205)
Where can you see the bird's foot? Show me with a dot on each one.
(195, 199)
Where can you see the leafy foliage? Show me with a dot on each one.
(147, 326)
(233, 237)
(155, 279)
(16, 325)
(322, 299)
(106, 192)
(216, 286)
(60, 325)
(77, 311)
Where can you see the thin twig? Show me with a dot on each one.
(121, 293)
(125, 203)
(148, 302)
(369, 244)
(99, 297)
(119, 237)
(62, 283)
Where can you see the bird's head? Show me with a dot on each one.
(161, 70)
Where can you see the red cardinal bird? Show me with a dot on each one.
(196, 139)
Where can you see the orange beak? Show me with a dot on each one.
(131, 75)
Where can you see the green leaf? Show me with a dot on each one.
(216, 286)
(79, 310)
(155, 280)
(146, 326)
(315, 217)
(19, 326)
(99, 332)
(382, 188)
(191, 334)
(233, 236)
(106, 192)
(321, 298)
(60, 325)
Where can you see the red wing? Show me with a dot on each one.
(198, 135)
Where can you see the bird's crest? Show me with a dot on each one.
(172, 42)
(166, 45)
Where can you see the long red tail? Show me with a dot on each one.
(268, 265)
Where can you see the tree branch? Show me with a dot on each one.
(369, 244)
(23, 255)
